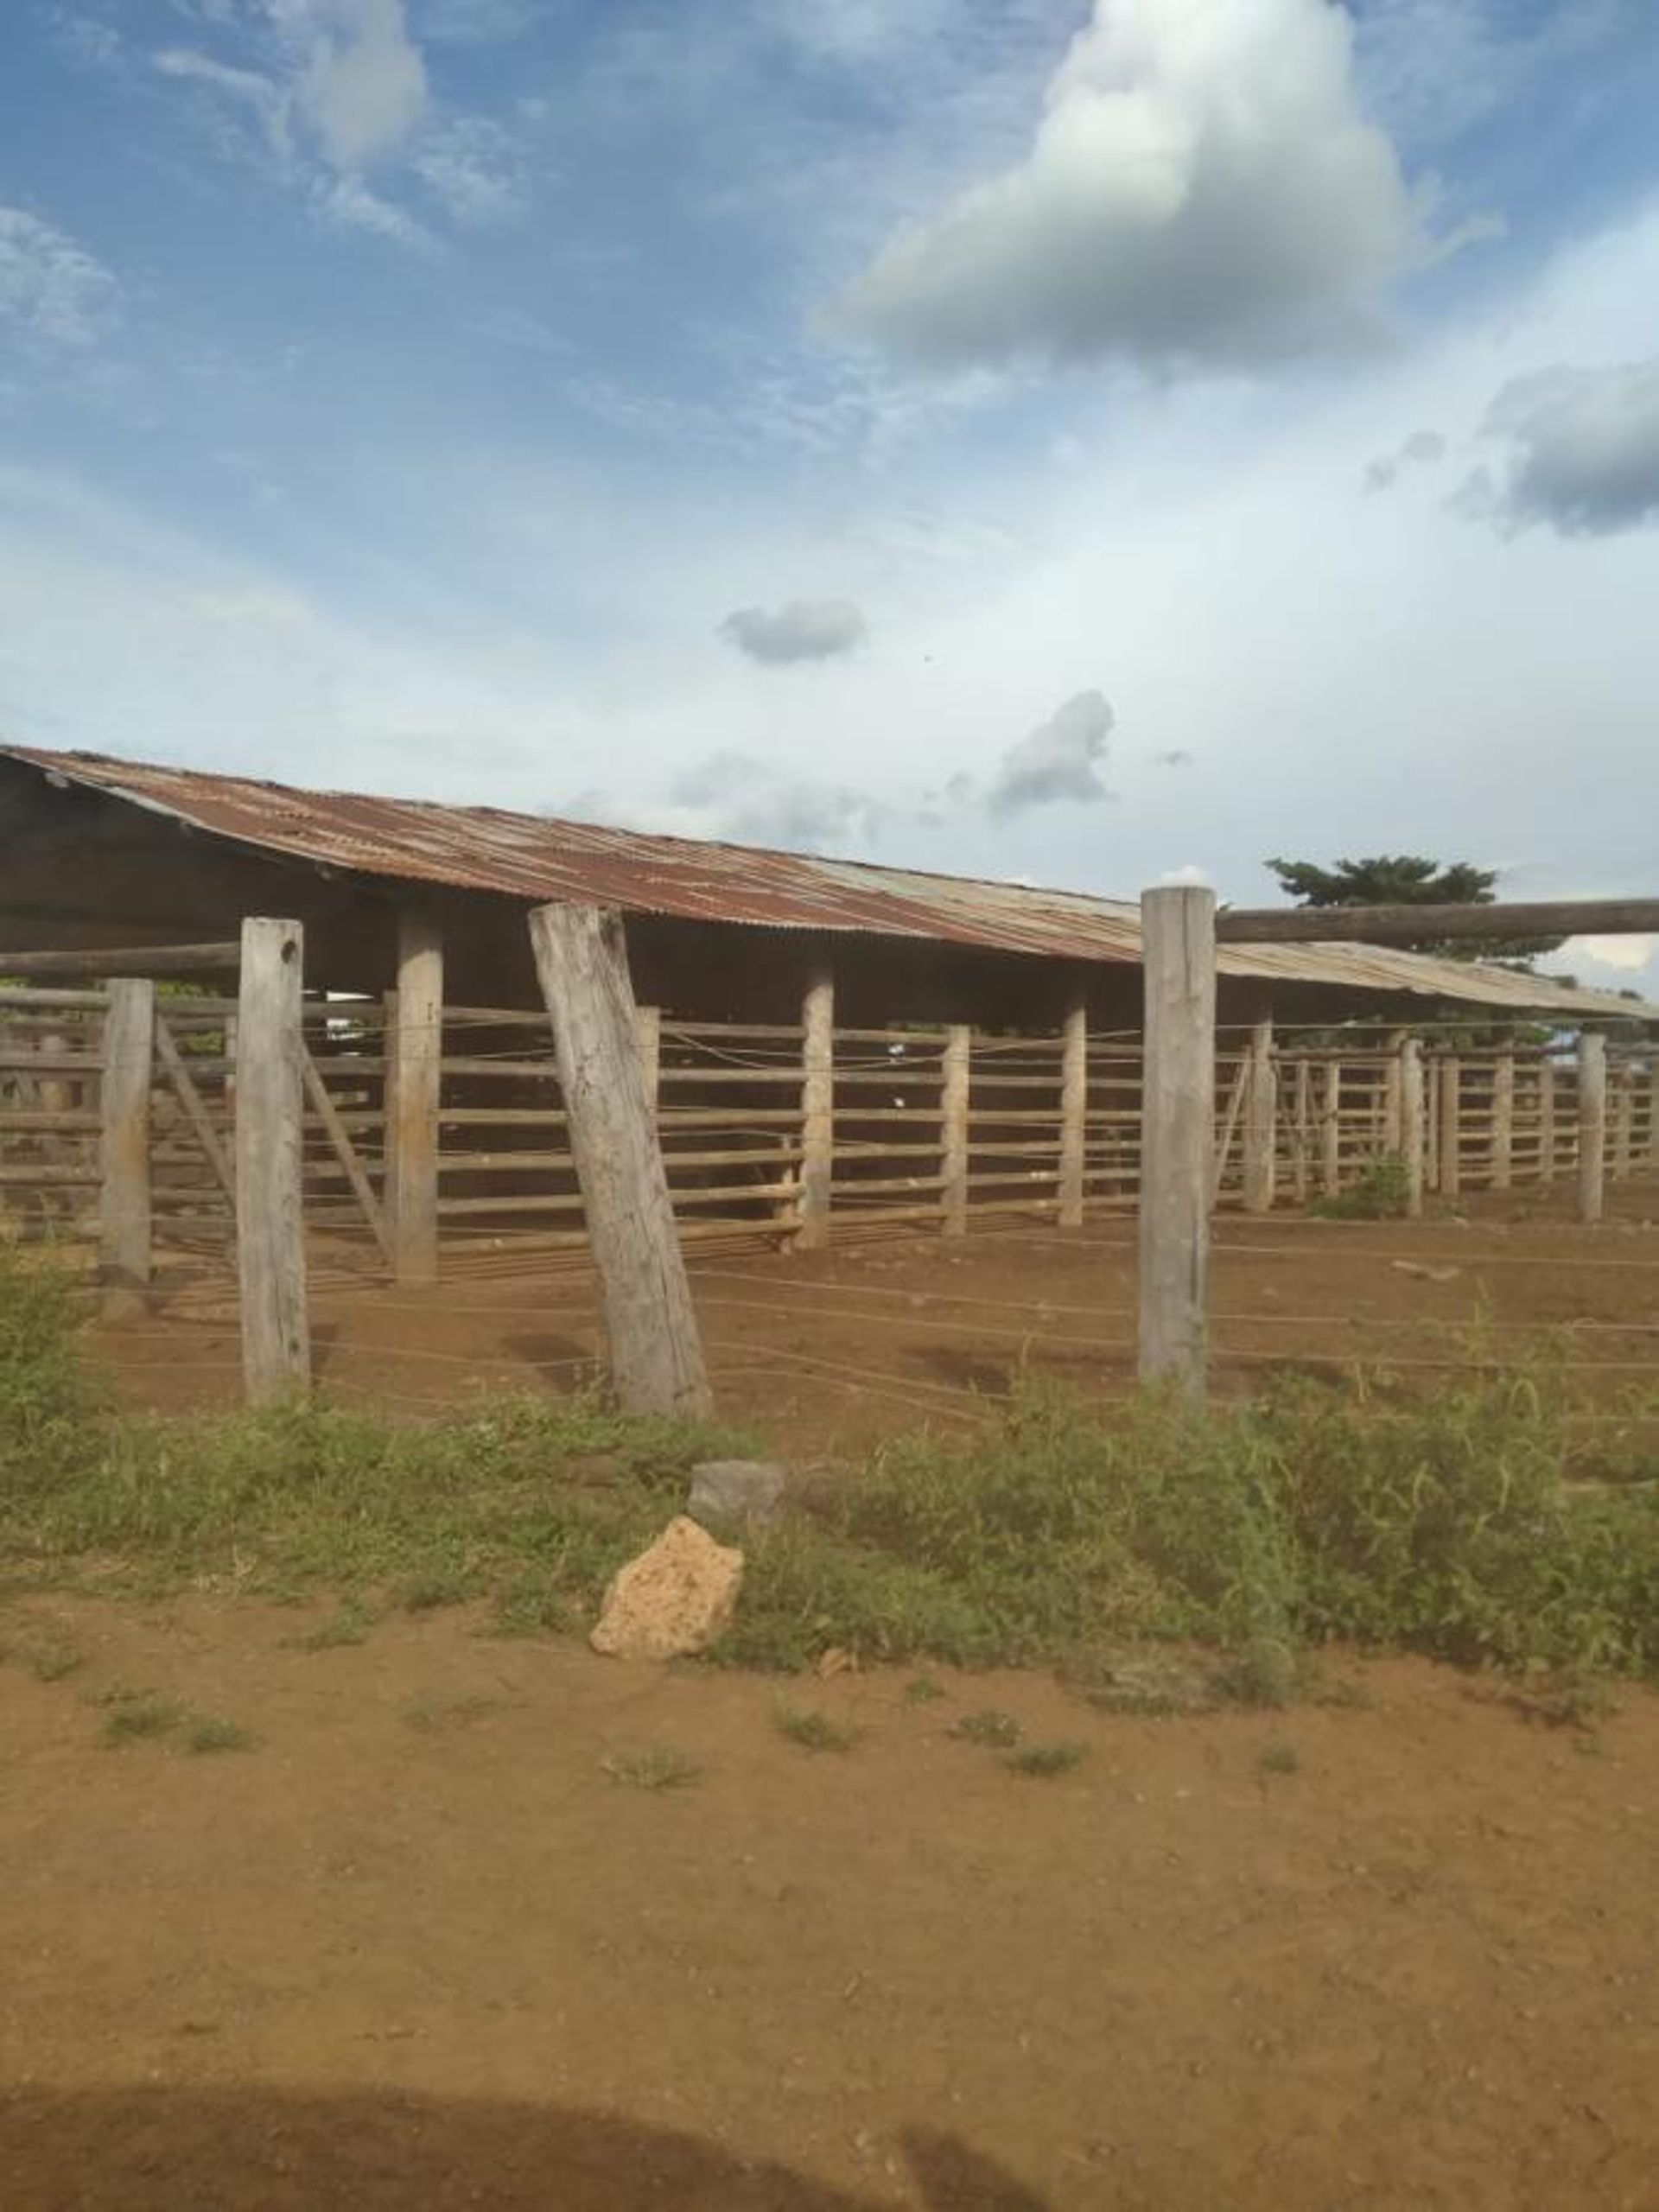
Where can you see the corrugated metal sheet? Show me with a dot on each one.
(529, 856)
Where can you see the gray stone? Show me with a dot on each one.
(726, 1490)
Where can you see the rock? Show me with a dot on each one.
(737, 1490)
(677, 1598)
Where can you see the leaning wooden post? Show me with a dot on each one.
(656, 1354)
(1502, 1130)
(1450, 1126)
(1260, 1119)
(415, 1060)
(818, 1111)
(1177, 1114)
(1592, 1123)
(957, 1072)
(1411, 1121)
(270, 1162)
(124, 1148)
(1074, 1110)
(1331, 1130)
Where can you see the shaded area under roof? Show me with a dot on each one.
(536, 858)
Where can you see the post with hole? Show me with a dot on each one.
(1178, 933)
(270, 1162)
(656, 1353)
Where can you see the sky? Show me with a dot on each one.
(1087, 444)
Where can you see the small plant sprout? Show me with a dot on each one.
(812, 1730)
(656, 1767)
(997, 1732)
(1042, 1762)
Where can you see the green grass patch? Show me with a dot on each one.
(1383, 1192)
(139, 1717)
(924, 1689)
(206, 1736)
(656, 1767)
(812, 1730)
(440, 1713)
(349, 1623)
(997, 1731)
(1279, 1757)
(53, 1659)
(1042, 1762)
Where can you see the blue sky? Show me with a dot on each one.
(1075, 442)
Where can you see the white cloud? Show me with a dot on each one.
(477, 22)
(1582, 451)
(1631, 954)
(1060, 759)
(361, 83)
(805, 629)
(474, 169)
(52, 292)
(262, 97)
(1203, 186)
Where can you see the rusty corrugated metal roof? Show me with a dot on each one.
(533, 857)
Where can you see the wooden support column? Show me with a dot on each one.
(1431, 1122)
(1593, 1123)
(1074, 1114)
(818, 1111)
(1393, 1096)
(1546, 1121)
(123, 1150)
(648, 1029)
(1652, 1112)
(957, 1073)
(1331, 1129)
(1261, 1121)
(1178, 1117)
(656, 1354)
(414, 1066)
(270, 1162)
(1412, 1118)
(1450, 1126)
(1621, 1098)
(1502, 1131)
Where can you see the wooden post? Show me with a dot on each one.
(648, 1029)
(1074, 1111)
(1592, 1123)
(1502, 1130)
(1653, 1108)
(818, 1111)
(1431, 1122)
(1260, 1120)
(1546, 1120)
(123, 1151)
(389, 1108)
(1411, 1121)
(270, 1162)
(957, 1069)
(1393, 1093)
(1621, 1101)
(1301, 1124)
(1450, 1126)
(415, 1062)
(1331, 1130)
(656, 1354)
(1178, 1113)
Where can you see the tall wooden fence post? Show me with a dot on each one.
(270, 1162)
(957, 1072)
(1546, 1120)
(1621, 1096)
(1074, 1114)
(1411, 1121)
(1178, 1117)
(124, 1148)
(656, 1354)
(818, 1111)
(415, 1070)
(1260, 1120)
(1394, 1112)
(1502, 1132)
(1331, 1130)
(1592, 1123)
(1450, 1126)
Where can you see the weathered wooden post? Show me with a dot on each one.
(656, 1354)
(1178, 1112)
(1450, 1126)
(1622, 1103)
(414, 1069)
(1301, 1129)
(1074, 1112)
(648, 1030)
(1653, 1108)
(1503, 1129)
(1260, 1120)
(818, 1111)
(124, 1147)
(1393, 1092)
(1411, 1121)
(957, 1070)
(1592, 1123)
(1546, 1119)
(1331, 1130)
(270, 1162)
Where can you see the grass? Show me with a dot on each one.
(1381, 1193)
(1043, 1762)
(1250, 1535)
(349, 1624)
(1279, 1757)
(435, 1713)
(923, 1689)
(206, 1736)
(656, 1767)
(997, 1731)
(51, 1661)
(812, 1730)
(140, 1717)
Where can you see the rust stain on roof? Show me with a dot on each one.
(536, 858)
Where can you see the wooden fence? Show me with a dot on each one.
(784, 1133)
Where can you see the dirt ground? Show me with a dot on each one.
(415, 1948)
(826, 1353)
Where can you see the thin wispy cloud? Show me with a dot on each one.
(53, 294)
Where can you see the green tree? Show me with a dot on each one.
(1408, 879)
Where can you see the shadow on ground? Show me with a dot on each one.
(260, 2150)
